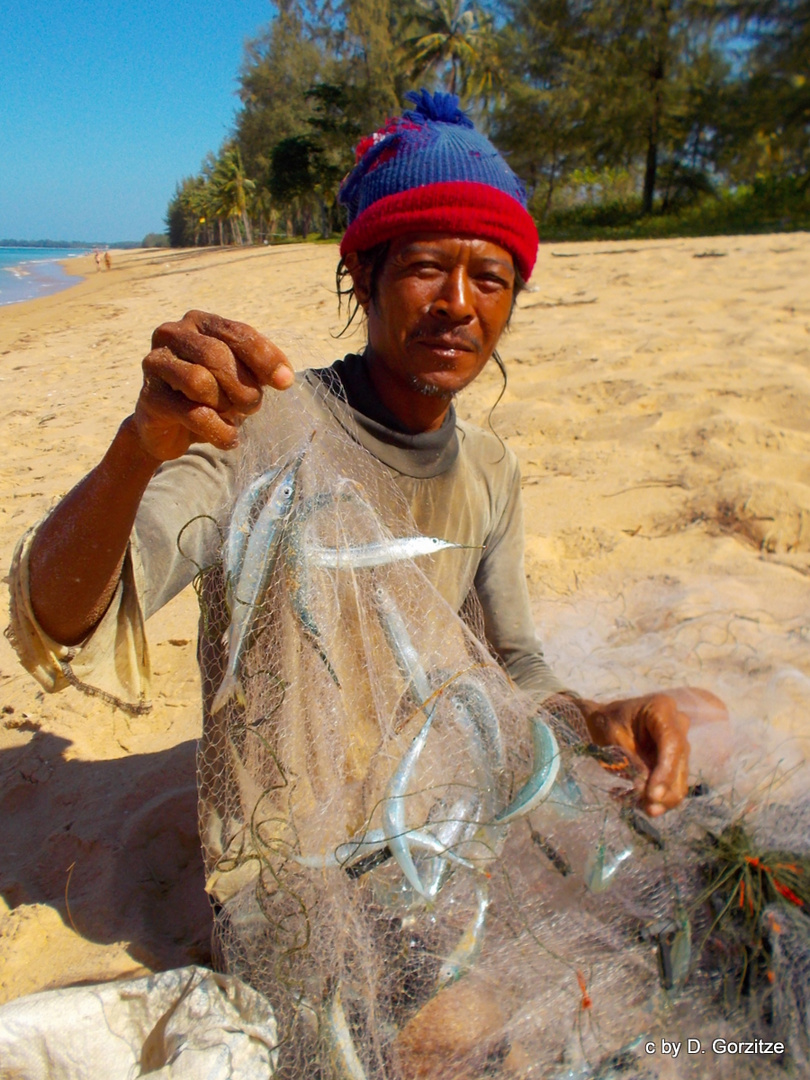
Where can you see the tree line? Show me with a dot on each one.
(640, 108)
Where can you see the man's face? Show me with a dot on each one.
(441, 304)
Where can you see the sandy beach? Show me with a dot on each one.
(659, 403)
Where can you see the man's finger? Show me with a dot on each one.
(185, 343)
(667, 727)
(161, 403)
(266, 361)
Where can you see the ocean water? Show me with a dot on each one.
(26, 273)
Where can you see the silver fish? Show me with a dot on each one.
(474, 710)
(544, 772)
(393, 808)
(466, 952)
(408, 660)
(459, 823)
(239, 529)
(601, 866)
(297, 578)
(345, 854)
(341, 1043)
(411, 668)
(260, 556)
(380, 553)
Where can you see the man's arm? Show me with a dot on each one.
(203, 377)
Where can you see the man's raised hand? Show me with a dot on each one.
(203, 377)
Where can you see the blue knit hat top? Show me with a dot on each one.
(430, 170)
(432, 143)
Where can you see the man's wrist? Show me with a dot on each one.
(130, 454)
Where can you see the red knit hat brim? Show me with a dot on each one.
(457, 207)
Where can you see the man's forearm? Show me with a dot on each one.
(77, 554)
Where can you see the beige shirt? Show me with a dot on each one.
(465, 487)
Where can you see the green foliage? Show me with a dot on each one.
(767, 205)
(155, 240)
(625, 117)
(453, 39)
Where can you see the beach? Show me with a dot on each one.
(658, 400)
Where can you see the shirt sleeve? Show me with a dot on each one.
(177, 534)
(500, 582)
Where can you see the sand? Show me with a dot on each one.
(659, 402)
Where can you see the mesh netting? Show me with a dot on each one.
(426, 873)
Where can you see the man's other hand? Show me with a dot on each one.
(203, 377)
(652, 731)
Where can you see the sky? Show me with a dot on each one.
(105, 106)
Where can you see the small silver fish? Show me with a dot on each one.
(544, 772)
(368, 843)
(260, 556)
(457, 826)
(412, 669)
(601, 866)
(344, 1053)
(298, 578)
(380, 553)
(393, 808)
(466, 952)
(239, 528)
(408, 660)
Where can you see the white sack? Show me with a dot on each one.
(186, 1024)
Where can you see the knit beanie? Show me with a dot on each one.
(429, 170)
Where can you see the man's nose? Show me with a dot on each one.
(454, 301)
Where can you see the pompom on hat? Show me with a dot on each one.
(429, 170)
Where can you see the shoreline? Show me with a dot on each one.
(36, 278)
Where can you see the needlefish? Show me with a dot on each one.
(341, 1044)
(412, 669)
(469, 947)
(544, 772)
(379, 553)
(244, 515)
(257, 567)
(298, 578)
(345, 855)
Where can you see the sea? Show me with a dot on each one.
(26, 273)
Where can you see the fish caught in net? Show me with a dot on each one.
(425, 872)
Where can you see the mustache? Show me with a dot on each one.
(459, 336)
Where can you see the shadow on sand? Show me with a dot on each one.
(112, 845)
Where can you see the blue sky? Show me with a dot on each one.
(104, 106)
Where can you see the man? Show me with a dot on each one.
(439, 244)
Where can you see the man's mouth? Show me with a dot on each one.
(445, 346)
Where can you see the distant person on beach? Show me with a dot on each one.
(108, 260)
(97, 255)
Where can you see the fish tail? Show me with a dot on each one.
(231, 687)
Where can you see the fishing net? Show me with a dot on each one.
(425, 872)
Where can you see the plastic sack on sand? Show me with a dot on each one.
(184, 1024)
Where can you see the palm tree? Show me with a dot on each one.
(232, 188)
(455, 38)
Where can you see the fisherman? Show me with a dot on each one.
(439, 244)
(438, 247)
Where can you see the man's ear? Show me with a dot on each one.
(361, 278)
